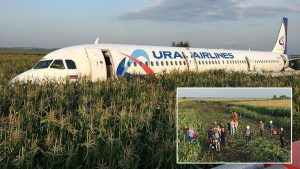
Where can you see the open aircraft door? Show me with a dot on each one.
(191, 60)
(249, 64)
(97, 64)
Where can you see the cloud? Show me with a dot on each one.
(209, 10)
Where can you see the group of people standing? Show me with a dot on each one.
(217, 134)
(216, 137)
(272, 131)
(189, 134)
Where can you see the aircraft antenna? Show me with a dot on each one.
(97, 41)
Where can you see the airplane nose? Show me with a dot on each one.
(18, 78)
(23, 77)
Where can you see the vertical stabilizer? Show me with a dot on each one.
(281, 41)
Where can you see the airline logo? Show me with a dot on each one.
(123, 65)
(281, 40)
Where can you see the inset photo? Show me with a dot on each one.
(234, 125)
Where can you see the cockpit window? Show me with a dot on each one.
(57, 64)
(71, 64)
(43, 64)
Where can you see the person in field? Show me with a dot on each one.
(185, 133)
(232, 127)
(261, 127)
(217, 139)
(271, 127)
(247, 135)
(210, 135)
(191, 133)
(235, 116)
(281, 137)
(228, 126)
(236, 123)
(223, 136)
(219, 129)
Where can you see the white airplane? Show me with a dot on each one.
(105, 61)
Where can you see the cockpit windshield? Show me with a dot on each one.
(43, 64)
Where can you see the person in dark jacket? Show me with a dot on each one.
(210, 134)
(228, 126)
(281, 137)
(185, 133)
(223, 136)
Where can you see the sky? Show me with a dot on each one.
(233, 92)
(226, 24)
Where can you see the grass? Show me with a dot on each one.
(202, 114)
(114, 124)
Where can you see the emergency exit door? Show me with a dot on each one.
(97, 64)
(191, 60)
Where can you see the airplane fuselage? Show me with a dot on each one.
(105, 61)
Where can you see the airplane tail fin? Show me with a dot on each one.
(281, 41)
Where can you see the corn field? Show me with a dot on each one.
(202, 115)
(113, 124)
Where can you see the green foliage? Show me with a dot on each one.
(201, 115)
(275, 111)
(282, 121)
(112, 124)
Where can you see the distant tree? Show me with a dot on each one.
(282, 97)
(181, 44)
(183, 97)
(274, 97)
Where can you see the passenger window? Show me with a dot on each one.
(162, 63)
(203, 62)
(157, 63)
(184, 63)
(128, 64)
(206, 62)
(167, 63)
(175, 62)
(152, 63)
(179, 62)
(71, 64)
(57, 64)
(134, 64)
(146, 63)
(171, 62)
(199, 62)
